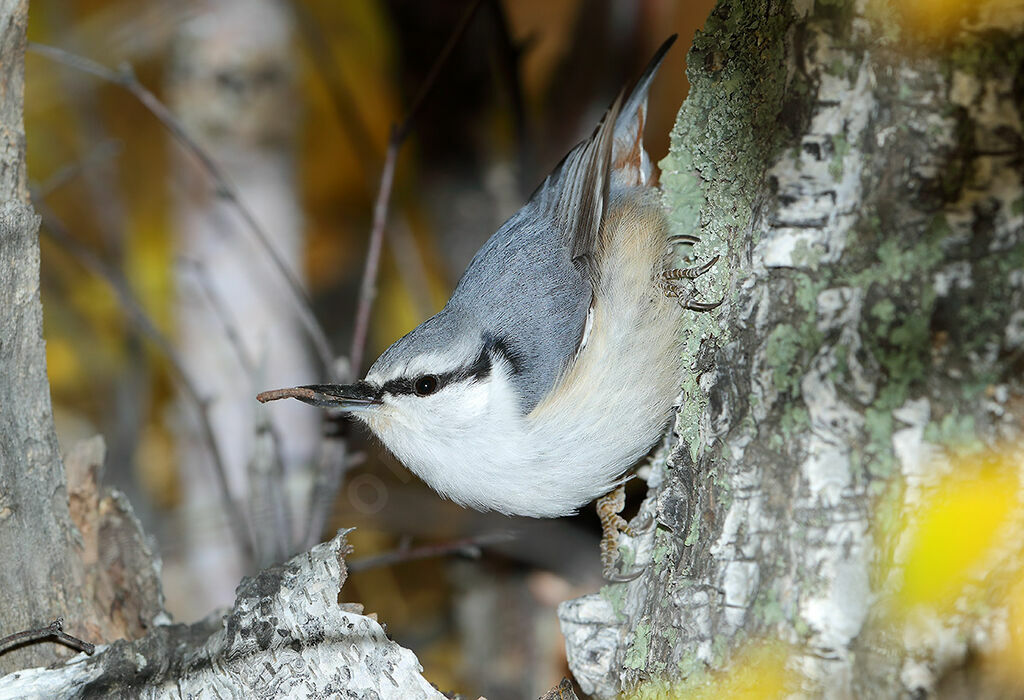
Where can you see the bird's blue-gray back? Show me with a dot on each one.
(529, 287)
(522, 291)
(523, 287)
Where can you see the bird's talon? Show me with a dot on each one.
(608, 508)
(702, 305)
(647, 524)
(689, 273)
(611, 577)
(681, 238)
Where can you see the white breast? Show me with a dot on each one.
(473, 445)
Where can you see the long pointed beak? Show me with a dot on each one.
(347, 397)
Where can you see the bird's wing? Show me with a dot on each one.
(531, 284)
(574, 197)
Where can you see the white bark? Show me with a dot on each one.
(233, 85)
(70, 551)
(286, 636)
(865, 191)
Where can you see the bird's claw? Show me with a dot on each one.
(689, 273)
(685, 295)
(612, 577)
(608, 508)
(683, 238)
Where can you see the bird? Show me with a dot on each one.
(554, 367)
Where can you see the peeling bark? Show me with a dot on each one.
(865, 188)
(286, 636)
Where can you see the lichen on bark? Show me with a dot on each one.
(863, 186)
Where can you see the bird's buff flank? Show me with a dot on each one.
(554, 365)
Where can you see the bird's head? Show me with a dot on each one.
(433, 391)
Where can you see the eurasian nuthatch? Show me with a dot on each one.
(554, 366)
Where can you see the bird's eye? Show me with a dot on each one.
(425, 385)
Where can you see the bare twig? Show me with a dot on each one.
(126, 79)
(298, 392)
(368, 286)
(66, 173)
(276, 495)
(55, 630)
(59, 233)
(399, 132)
(467, 547)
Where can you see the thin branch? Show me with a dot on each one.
(59, 233)
(66, 173)
(125, 78)
(368, 286)
(467, 547)
(279, 502)
(55, 630)
(399, 132)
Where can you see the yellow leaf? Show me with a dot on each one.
(954, 531)
(755, 673)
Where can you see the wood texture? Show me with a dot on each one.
(864, 187)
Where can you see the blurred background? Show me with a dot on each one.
(206, 173)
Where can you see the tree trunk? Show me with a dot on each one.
(861, 178)
(50, 551)
(232, 81)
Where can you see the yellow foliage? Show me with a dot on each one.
(62, 362)
(940, 18)
(756, 673)
(955, 529)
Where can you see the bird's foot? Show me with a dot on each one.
(608, 508)
(670, 283)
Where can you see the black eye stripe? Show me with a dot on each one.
(397, 386)
(500, 346)
(479, 369)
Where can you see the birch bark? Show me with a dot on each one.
(233, 83)
(864, 186)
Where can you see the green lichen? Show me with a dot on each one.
(793, 422)
(955, 431)
(768, 609)
(884, 312)
(783, 348)
(693, 533)
(878, 424)
(691, 667)
(727, 125)
(661, 547)
(807, 255)
(840, 147)
(636, 655)
(616, 595)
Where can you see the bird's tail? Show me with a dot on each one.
(631, 166)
